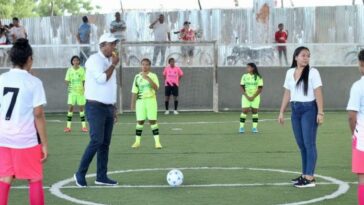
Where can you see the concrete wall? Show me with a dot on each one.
(196, 87)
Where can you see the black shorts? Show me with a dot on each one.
(171, 90)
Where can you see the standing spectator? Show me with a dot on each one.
(83, 37)
(172, 75)
(161, 33)
(355, 110)
(118, 28)
(3, 39)
(23, 137)
(303, 89)
(100, 93)
(8, 34)
(187, 35)
(281, 37)
(17, 31)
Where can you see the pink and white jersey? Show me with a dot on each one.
(172, 75)
(20, 93)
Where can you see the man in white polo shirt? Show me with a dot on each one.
(161, 33)
(100, 93)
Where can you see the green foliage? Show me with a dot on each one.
(63, 7)
(29, 8)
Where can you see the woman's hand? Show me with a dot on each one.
(44, 153)
(281, 118)
(320, 119)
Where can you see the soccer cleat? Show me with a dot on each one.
(295, 180)
(166, 112)
(175, 112)
(80, 181)
(67, 129)
(136, 145)
(158, 145)
(254, 130)
(241, 130)
(305, 183)
(84, 129)
(106, 181)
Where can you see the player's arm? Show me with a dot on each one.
(243, 91)
(40, 125)
(320, 104)
(133, 100)
(260, 88)
(151, 82)
(285, 101)
(352, 116)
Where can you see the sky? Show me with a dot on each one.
(114, 5)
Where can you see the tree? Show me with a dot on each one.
(63, 7)
(18, 8)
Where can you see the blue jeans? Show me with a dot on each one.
(304, 127)
(101, 121)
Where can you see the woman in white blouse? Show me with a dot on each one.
(303, 89)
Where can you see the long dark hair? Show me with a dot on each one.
(305, 72)
(255, 70)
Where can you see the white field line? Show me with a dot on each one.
(183, 186)
(343, 187)
(176, 123)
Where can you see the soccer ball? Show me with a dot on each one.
(175, 177)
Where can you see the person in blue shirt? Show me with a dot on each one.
(83, 37)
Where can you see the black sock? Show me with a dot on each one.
(175, 104)
(166, 103)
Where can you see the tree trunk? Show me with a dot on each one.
(282, 4)
(52, 5)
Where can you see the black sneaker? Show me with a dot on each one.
(305, 183)
(80, 181)
(295, 180)
(106, 181)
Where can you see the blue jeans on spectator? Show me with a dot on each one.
(101, 121)
(304, 127)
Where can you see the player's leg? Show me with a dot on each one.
(175, 97)
(167, 94)
(81, 101)
(255, 117)
(71, 102)
(152, 110)
(141, 116)
(5, 184)
(361, 189)
(245, 104)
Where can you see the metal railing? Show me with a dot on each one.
(194, 54)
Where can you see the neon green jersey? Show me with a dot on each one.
(251, 83)
(143, 88)
(76, 79)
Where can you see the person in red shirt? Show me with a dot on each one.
(187, 35)
(281, 37)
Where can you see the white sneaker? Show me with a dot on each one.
(167, 112)
(175, 112)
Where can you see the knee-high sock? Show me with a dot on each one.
(242, 119)
(166, 103)
(69, 119)
(138, 132)
(36, 193)
(83, 119)
(175, 104)
(4, 193)
(155, 131)
(255, 120)
(361, 194)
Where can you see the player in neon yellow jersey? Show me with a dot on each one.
(75, 79)
(144, 101)
(252, 85)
